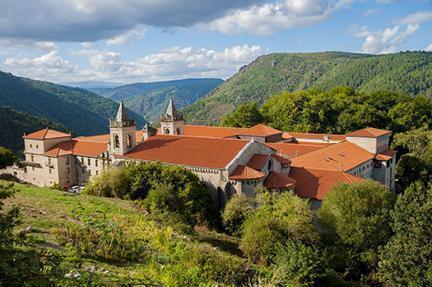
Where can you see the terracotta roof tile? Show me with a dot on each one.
(291, 150)
(316, 183)
(78, 147)
(278, 181)
(385, 155)
(261, 130)
(341, 157)
(368, 133)
(257, 161)
(188, 151)
(315, 136)
(224, 132)
(242, 172)
(46, 134)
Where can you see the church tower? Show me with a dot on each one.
(122, 132)
(172, 121)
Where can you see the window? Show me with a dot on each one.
(37, 146)
(178, 131)
(68, 170)
(88, 161)
(82, 160)
(31, 146)
(82, 170)
(32, 168)
(49, 160)
(167, 131)
(96, 162)
(67, 161)
(116, 141)
(89, 172)
(97, 173)
(50, 170)
(32, 158)
(269, 165)
(129, 141)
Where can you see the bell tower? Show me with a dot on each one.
(172, 121)
(122, 132)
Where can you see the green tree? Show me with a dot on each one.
(412, 114)
(356, 220)
(236, 211)
(7, 157)
(406, 260)
(280, 218)
(244, 116)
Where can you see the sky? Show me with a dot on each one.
(129, 41)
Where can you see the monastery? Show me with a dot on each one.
(228, 160)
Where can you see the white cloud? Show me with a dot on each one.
(280, 14)
(172, 63)
(49, 65)
(385, 41)
(127, 37)
(417, 18)
(429, 48)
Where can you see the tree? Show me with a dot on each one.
(412, 114)
(282, 217)
(406, 260)
(7, 157)
(244, 116)
(356, 219)
(236, 211)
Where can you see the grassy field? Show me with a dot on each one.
(117, 240)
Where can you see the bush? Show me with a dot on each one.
(236, 211)
(113, 182)
(356, 220)
(281, 217)
(297, 264)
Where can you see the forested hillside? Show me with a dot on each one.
(408, 72)
(150, 99)
(48, 104)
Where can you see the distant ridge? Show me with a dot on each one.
(150, 99)
(408, 72)
(32, 105)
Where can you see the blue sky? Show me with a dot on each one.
(149, 40)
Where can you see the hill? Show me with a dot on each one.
(150, 99)
(88, 85)
(408, 72)
(80, 111)
(118, 244)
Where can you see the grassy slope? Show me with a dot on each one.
(48, 210)
(274, 73)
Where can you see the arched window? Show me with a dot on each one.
(167, 131)
(178, 131)
(129, 141)
(116, 141)
(269, 165)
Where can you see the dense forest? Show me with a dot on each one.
(47, 104)
(150, 99)
(407, 72)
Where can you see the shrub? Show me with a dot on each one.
(110, 183)
(356, 219)
(281, 217)
(236, 211)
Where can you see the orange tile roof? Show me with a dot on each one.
(340, 156)
(385, 155)
(281, 159)
(257, 161)
(78, 147)
(316, 183)
(261, 130)
(46, 134)
(188, 151)
(210, 131)
(291, 150)
(106, 137)
(314, 136)
(368, 133)
(278, 181)
(242, 172)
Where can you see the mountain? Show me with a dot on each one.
(35, 104)
(408, 72)
(92, 85)
(150, 99)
